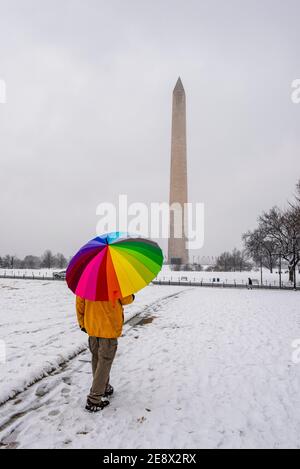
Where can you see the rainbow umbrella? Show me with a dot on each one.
(113, 266)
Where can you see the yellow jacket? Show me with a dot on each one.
(102, 318)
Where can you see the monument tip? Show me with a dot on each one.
(179, 86)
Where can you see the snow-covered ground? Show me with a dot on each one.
(39, 329)
(213, 369)
(227, 277)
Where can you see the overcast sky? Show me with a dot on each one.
(88, 112)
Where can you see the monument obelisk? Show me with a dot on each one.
(178, 253)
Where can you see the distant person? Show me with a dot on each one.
(250, 283)
(103, 322)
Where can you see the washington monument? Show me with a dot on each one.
(178, 253)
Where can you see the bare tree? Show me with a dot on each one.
(262, 250)
(60, 261)
(48, 259)
(231, 262)
(8, 262)
(298, 193)
(32, 262)
(282, 229)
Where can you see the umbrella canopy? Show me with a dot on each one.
(113, 266)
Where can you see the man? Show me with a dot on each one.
(103, 322)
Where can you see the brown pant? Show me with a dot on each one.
(103, 354)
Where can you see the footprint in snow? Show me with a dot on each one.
(67, 380)
(42, 390)
(53, 413)
(65, 391)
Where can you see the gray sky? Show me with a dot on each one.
(88, 116)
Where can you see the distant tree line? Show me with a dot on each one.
(277, 238)
(47, 261)
(187, 267)
(235, 261)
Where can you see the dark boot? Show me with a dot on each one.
(93, 408)
(109, 391)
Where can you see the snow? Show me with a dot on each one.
(39, 328)
(228, 277)
(213, 369)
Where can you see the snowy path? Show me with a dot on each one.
(212, 370)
